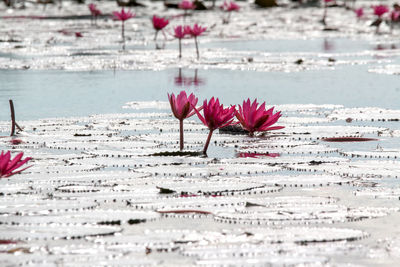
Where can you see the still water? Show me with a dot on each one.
(39, 94)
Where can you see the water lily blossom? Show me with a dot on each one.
(359, 12)
(229, 7)
(180, 32)
(196, 31)
(395, 15)
(95, 12)
(182, 107)
(9, 166)
(123, 16)
(159, 24)
(215, 117)
(254, 118)
(186, 5)
(380, 10)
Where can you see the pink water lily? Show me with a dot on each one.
(180, 32)
(8, 165)
(182, 107)
(123, 16)
(196, 31)
(230, 6)
(395, 15)
(94, 11)
(359, 12)
(215, 117)
(254, 118)
(159, 24)
(186, 5)
(380, 10)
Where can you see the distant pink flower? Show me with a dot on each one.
(182, 107)
(215, 117)
(327, 1)
(122, 15)
(94, 10)
(380, 10)
(197, 30)
(159, 24)
(359, 12)
(180, 32)
(395, 15)
(8, 165)
(230, 6)
(257, 119)
(186, 5)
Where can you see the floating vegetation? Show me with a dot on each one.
(108, 188)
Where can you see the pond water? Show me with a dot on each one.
(39, 94)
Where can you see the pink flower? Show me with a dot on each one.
(182, 107)
(230, 6)
(186, 5)
(93, 10)
(380, 10)
(7, 166)
(180, 32)
(196, 30)
(215, 116)
(257, 119)
(394, 15)
(159, 23)
(122, 15)
(359, 12)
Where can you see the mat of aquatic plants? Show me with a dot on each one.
(111, 189)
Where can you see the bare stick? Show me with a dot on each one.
(12, 118)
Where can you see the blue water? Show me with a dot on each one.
(39, 94)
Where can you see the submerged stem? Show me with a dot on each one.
(181, 135)
(207, 142)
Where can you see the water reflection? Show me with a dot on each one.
(328, 45)
(182, 80)
(380, 47)
(257, 155)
